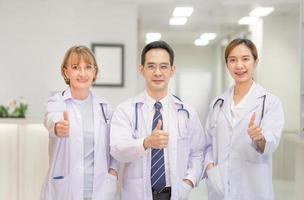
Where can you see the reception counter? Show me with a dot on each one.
(23, 158)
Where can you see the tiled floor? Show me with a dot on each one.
(284, 190)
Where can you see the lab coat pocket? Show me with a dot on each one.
(214, 183)
(59, 188)
(110, 187)
(132, 188)
(250, 154)
(183, 149)
(184, 191)
(183, 135)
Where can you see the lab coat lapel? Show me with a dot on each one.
(141, 110)
(172, 146)
(226, 106)
(97, 112)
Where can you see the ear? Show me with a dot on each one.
(173, 70)
(256, 62)
(141, 69)
(65, 73)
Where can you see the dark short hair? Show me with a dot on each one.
(248, 43)
(157, 45)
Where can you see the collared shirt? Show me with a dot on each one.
(165, 115)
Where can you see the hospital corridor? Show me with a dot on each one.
(61, 60)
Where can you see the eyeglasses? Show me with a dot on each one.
(87, 68)
(162, 68)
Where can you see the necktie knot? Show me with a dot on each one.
(157, 106)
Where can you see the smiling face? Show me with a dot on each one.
(80, 74)
(157, 71)
(79, 68)
(241, 63)
(79, 71)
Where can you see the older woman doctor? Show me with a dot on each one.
(78, 122)
(244, 125)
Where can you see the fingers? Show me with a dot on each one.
(157, 140)
(252, 120)
(255, 133)
(159, 125)
(62, 127)
(65, 116)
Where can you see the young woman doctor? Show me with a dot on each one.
(244, 125)
(78, 123)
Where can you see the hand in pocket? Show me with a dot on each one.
(215, 181)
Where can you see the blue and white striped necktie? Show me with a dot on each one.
(158, 177)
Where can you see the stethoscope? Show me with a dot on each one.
(181, 109)
(102, 109)
(221, 101)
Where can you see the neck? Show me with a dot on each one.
(157, 95)
(79, 94)
(240, 89)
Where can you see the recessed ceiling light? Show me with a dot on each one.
(182, 11)
(151, 37)
(261, 11)
(178, 21)
(248, 20)
(201, 42)
(208, 36)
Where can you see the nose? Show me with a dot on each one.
(82, 71)
(239, 64)
(157, 71)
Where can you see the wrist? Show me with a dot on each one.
(146, 143)
(210, 165)
(113, 172)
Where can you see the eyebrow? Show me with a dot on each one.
(162, 63)
(241, 56)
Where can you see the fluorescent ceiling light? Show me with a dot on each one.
(208, 36)
(178, 21)
(201, 42)
(152, 37)
(248, 20)
(182, 11)
(261, 11)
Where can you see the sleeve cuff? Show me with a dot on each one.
(192, 179)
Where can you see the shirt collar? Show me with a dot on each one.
(150, 101)
(241, 103)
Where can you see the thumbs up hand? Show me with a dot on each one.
(254, 132)
(62, 127)
(158, 138)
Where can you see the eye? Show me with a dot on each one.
(164, 67)
(231, 60)
(151, 67)
(74, 67)
(89, 67)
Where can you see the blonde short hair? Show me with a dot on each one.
(75, 54)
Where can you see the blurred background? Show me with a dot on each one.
(36, 33)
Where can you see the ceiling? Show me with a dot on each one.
(218, 16)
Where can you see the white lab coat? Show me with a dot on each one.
(66, 154)
(185, 148)
(245, 173)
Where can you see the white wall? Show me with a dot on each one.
(35, 35)
(279, 69)
(202, 61)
